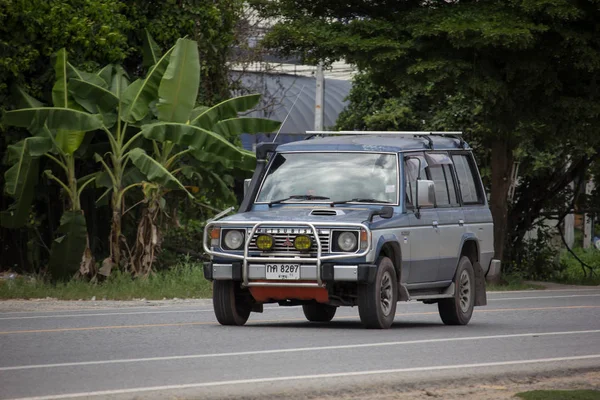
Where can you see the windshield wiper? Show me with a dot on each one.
(299, 197)
(359, 200)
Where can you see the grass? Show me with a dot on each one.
(572, 273)
(186, 280)
(513, 282)
(560, 395)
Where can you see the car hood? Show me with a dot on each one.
(318, 215)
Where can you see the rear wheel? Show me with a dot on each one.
(377, 300)
(459, 309)
(230, 305)
(317, 312)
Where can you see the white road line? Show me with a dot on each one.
(307, 377)
(105, 314)
(294, 350)
(545, 297)
(597, 288)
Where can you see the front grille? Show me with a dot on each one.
(284, 236)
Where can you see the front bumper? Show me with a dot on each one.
(312, 268)
(360, 273)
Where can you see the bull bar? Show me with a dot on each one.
(246, 259)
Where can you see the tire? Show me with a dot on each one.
(317, 312)
(377, 300)
(459, 309)
(231, 308)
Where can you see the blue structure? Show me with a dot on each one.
(302, 116)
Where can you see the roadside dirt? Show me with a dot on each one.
(500, 388)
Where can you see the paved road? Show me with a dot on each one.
(167, 351)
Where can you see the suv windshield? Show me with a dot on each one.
(337, 176)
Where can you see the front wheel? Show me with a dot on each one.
(319, 312)
(377, 300)
(230, 305)
(459, 309)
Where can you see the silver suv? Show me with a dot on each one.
(361, 219)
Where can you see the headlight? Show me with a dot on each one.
(347, 241)
(233, 239)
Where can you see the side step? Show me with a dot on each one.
(446, 294)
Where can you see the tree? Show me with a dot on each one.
(95, 33)
(157, 112)
(516, 71)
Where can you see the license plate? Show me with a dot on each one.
(283, 271)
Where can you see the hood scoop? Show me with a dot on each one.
(328, 212)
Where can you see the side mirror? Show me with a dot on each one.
(386, 212)
(246, 186)
(425, 194)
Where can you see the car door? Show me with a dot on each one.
(450, 215)
(477, 215)
(423, 233)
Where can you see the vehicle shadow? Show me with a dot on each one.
(345, 325)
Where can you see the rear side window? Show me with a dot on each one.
(445, 194)
(465, 172)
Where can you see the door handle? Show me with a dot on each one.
(461, 222)
(435, 224)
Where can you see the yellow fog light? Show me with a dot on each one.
(264, 242)
(302, 243)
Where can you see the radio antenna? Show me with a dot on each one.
(288, 114)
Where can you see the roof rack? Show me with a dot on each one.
(391, 133)
(423, 134)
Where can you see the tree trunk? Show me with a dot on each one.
(148, 239)
(114, 259)
(501, 164)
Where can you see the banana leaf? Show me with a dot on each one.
(200, 140)
(67, 249)
(24, 100)
(69, 141)
(197, 111)
(151, 51)
(92, 97)
(234, 127)
(63, 71)
(154, 171)
(178, 88)
(119, 81)
(106, 74)
(89, 77)
(54, 118)
(137, 97)
(225, 110)
(22, 178)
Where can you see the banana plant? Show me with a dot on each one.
(149, 125)
(58, 133)
(184, 138)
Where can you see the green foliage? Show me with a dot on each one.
(538, 258)
(94, 33)
(68, 248)
(573, 273)
(209, 23)
(184, 280)
(32, 31)
(520, 78)
(560, 395)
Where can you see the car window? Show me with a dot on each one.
(411, 173)
(466, 179)
(441, 190)
(337, 176)
(440, 172)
